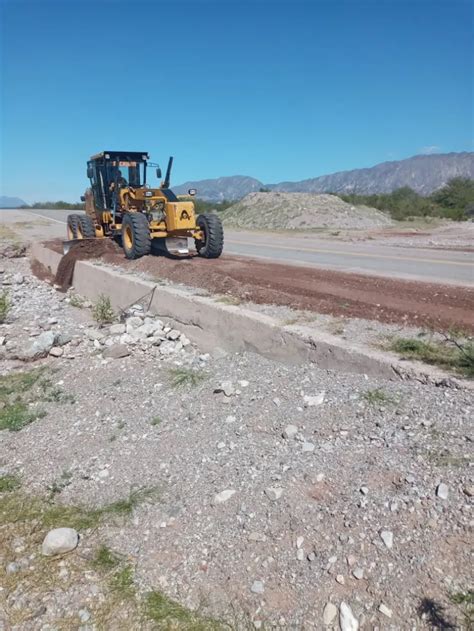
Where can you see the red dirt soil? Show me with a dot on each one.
(431, 305)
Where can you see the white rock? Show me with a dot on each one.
(300, 554)
(223, 496)
(94, 334)
(230, 419)
(387, 538)
(2, 340)
(347, 620)
(18, 279)
(56, 351)
(312, 401)
(329, 614)
(167, 347)
(307, 447)
(117, 329)
(358, 573)
(173, 335)
(257, 587)
(442, 491)
(184, 341)
(340, 579)
(134, 322)
(385, 610)
(60, 541)
(243, 383)
(274, 493)
(299, 542)
(290, 431)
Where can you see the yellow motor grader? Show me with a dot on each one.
(121, 204)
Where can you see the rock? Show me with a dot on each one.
(387, 538)
(40, 347)
(358, 573)
(307, 447)
(274, 493)
(117, 329)
(442, 491)
(84, 615)
(299, 542)
(329, 614)
(226, 387)
(173, 335)
(18, 279)
(184, 340)
(385, 610)
(300, 554)
(116, 351)
(290, 431)
(56, 351)
(257, 587)
(167, 348)
(347, 620)
(60, 541)
(94, 334)
(63, 338)
(364, 490)
(312, 401)
(257, 536)
(223, 496)
(243, 383)
(134, 322)
(340, 579)
(469, 491)
(2, 340)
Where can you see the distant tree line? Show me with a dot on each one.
(56, 205)
(453, 201)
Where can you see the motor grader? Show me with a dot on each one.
(122, 205)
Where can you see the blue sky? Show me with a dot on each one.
(280, 90)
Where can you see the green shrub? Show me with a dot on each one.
(102, 311)
(5, 306)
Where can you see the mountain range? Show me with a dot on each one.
(423, 173)
(11, 202)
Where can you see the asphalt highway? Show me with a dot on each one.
(413, 263)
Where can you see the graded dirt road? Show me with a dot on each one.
(309, 250)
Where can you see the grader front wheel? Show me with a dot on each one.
(211, 246)
(85, 227)
(72, 223)
(136, 240)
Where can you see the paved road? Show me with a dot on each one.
(446, 266)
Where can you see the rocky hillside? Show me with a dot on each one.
(230, 188)
(11, 202)
(424, 173)
(301, 211)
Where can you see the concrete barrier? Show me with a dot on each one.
(213, 325)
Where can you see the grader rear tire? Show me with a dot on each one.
(213, 243)
(136, 240)
(72, 223)
(85, 227)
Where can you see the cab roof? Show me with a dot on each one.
(127, 156)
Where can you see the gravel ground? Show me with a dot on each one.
(275, 210)
(288, 496)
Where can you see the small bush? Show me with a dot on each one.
(378, 396)
(450, 354)
(9, 483)
(186, 377)
(105, 559)
(17, 416)
(102, 311)
(5, 306)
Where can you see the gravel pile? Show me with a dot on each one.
(301, 211)
(300, 497)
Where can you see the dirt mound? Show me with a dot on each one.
(90, 249)
(301, 211)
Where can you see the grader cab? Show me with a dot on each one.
(122, 205)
